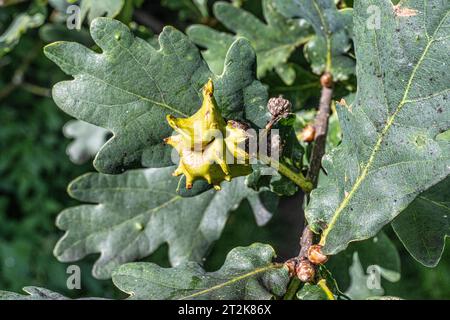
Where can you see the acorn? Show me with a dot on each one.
(308, 133)
(201, 127)
(315, 255)
(208, 147)
(305, 271)
(291, 264)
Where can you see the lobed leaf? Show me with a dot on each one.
(88, 139)
(390, 151)
(139, 210)
(379, 252)
(130, 88)
(425, 224)
(36, 293)
(248, 273)
(328, 50)
(274, 41)
(311, 291)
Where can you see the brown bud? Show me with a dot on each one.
(305, 271)
(278, 106)
(308, 133)
(291, 264)
(315, 254)
(326, 80)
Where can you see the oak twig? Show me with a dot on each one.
(318, 151)
(321, 129)
(306, 242)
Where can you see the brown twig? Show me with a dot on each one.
(306, 242)
(320, 139)
(301, 266)
(321, 129)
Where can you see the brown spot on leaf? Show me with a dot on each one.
(404, 12)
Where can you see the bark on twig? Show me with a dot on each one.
(306, 242)
(320, 139)
(300, 265)
(321, 126)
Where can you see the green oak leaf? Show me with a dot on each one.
(139, 210)
(379, 252)
(88, 139)
(358, 289)
(131, 87)
(425, 224)
(390, 152)
(328, 51)
(34, 293)
(90, 9)
(34, 17)
(273, 41)
(248, 273)
(311, 291)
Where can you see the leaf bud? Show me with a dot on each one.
(326, 80)
(315, 254)
(305, 271)
(308, 133)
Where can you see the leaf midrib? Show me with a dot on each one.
(379, 142)
(233, 280)
(151, 101)
(117, 225)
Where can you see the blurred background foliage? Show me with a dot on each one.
(35, 169)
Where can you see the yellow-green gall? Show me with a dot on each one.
(208, 147)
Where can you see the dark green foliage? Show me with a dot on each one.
(387, 148)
